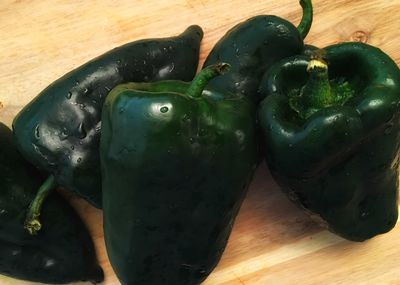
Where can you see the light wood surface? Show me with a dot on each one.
(273, 242)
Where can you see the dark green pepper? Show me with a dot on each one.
(332, 138)
(63, 251)
(59, 131)
(176, 164)
(253, 46)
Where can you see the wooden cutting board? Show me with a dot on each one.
(273, 242)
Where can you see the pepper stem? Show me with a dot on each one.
(32, 222)
(307, 19)
(201, 80)
(317, 93)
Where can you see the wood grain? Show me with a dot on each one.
(273, 242)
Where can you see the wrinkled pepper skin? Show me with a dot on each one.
(341, 163)
(59, 131)
(63, 251)
(175, 172)
(253, 46)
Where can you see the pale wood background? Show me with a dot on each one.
(273, 242)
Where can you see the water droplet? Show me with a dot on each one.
(81, 131)
(37, 132)
(69, 95)
(82, 106)
(76, 82)
(364, 214)
(79, 160)
(191, 140)
(164, 109)
(64, 134)
(85, 90)
(72, 147)
(144, 61)
(171, 67)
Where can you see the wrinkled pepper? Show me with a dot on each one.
(253, 46)
(59, 131)
(332, 136)
(176, 164)
(63, 251)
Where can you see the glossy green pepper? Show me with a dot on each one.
(63, 251)
(176, 164)
(332, 138)
(59, 131)
(253, 46)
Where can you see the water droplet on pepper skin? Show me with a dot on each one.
(81, 131)
(37, 132)
(164, 109)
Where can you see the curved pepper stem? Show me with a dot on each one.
(306, 21)
(203, 78)
(32, 222)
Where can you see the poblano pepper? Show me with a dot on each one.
(253, 46)
(63, 251)
(332, 136)
(59, 131)
(176, 164)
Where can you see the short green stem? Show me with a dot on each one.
(307, 19)
(317, 93)
(203, 78)
(32, 222)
